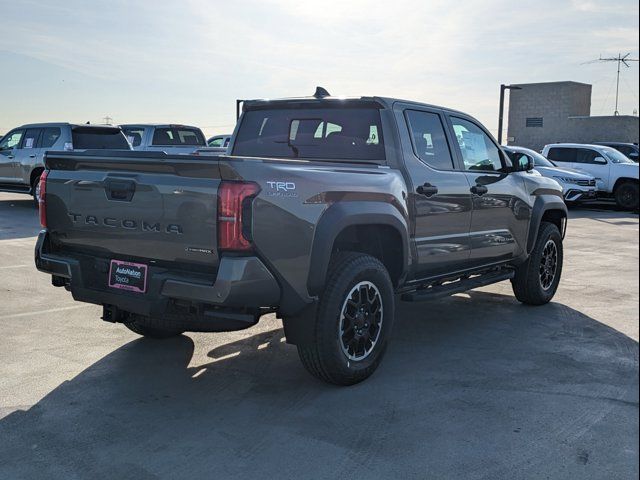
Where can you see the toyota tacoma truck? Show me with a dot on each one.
(326, 211)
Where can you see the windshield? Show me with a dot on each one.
(615, 156)
(322, 133)
(540, 161)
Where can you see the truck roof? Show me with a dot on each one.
(65, 124)
(157, 125)
(386, 102)
(621, 144)
(576, 145)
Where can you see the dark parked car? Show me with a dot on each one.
(629, 149)
(325, 211)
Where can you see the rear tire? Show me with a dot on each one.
(626, 195)
(536, 281)
(353, 321)
(35, 191)
(152, 327)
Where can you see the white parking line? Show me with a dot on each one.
(51, 310)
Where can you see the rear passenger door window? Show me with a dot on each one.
(429, 140)
(49, 137)
(562, 155)
(479, 152)
(177, 136)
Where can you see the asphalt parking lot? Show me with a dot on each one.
(474, 386)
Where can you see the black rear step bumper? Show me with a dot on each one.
(241, 284)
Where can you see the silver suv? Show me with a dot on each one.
(22, 150)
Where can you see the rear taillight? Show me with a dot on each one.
(42, 201)
(234, 215)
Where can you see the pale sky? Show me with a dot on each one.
(187, 61)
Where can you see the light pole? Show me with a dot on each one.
(501, 114)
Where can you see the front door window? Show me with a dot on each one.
(479, 152)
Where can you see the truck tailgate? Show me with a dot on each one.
(135, 206)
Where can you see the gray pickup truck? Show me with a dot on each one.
(172, 139)
(326, 211)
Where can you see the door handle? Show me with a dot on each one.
(427, 190)
(32, 156)
(10, 157)
(479, 190)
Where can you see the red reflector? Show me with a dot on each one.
(42, 205)
(231, 197)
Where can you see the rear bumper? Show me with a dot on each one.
(241, 283)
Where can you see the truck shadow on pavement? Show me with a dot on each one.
(603, 210)
(18, 218)
(469, 388)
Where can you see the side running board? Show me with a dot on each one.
(458, 286)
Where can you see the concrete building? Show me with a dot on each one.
(542, 113)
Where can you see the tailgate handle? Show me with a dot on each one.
(120, 190)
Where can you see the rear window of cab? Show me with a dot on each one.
(178, 136)
(313, 133)
(90, 138)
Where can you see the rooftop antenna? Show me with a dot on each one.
(321, 93)
(621, 60)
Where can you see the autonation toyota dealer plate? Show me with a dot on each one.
(128, 276)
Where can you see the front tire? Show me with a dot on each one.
(152, 327)
(627, 196)
(353, 321)
(536, 281)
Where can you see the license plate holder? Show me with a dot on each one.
(128, 276)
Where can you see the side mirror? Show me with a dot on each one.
(600, 161)
(523, 164)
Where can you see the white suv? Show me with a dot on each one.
(615, 174)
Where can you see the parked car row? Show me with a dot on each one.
(586, 171)
(22, 149)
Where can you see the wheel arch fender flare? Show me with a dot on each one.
(340, 216)
(543, 204)
(621, 180)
